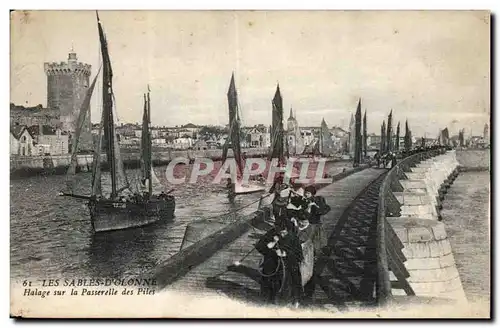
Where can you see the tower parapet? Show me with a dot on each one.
(63, 68)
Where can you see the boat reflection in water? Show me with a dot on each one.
(113, 254)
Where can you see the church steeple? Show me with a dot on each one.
(291, 114)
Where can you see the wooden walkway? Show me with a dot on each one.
(212, 275)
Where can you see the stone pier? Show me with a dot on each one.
(429, 257)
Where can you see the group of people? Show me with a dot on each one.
(390, 157)
(296, 219)
(385, 159)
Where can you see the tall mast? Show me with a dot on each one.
(321, 139)
(357, 135)
(234, 126)
(107, 100)
(149, 146)
(277, 142)
(84, 109)
(365, 136)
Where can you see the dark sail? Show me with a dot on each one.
(145, 148)
(407, 137)
(84, 109)
(96, 164)
(277, 131)
(388, 146)
(233, 139)
(119, 180)
(357, 140)
(148, 180)
(326, 145)
(396, 144)
(382, 138)
(445, 135)
(365, 136)
(461, 138)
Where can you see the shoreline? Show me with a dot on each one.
(52, 165)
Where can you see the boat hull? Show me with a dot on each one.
(248, 189)
(108, 215)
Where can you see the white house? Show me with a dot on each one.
(158, 141)
(307, 136)
(22, 142)
(14, 144)
(258, 137)
(183, 143)
(57, 140)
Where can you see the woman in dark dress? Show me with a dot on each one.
(280, 269)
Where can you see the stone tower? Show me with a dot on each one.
(486, 132)
(291, 127)
(67, 84)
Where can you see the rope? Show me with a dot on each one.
(211, 218)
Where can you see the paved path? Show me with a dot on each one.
(212, 276)
(348, 268)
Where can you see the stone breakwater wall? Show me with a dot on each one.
(58, 164)
(416, 221)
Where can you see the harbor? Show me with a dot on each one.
(229, 182)
(53, 224)
(104, 256)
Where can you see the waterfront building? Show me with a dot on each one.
(258, 137)
(22, 142)
(294, 137)
(29, 116)
(54, 140)
(183, 143)
(308, 136)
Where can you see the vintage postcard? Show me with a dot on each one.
(250, 164)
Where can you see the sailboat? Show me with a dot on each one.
(122, 208)
(233, 142)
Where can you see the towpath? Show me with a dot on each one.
(211, 276)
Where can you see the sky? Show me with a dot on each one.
(431, 68)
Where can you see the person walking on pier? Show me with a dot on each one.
(377, 158)
(280, 268)
(393, 160)
(316, 207)
(281, 197)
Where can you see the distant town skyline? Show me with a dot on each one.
(432, 68)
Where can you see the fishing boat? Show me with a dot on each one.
(123, 207)
(240, 187)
